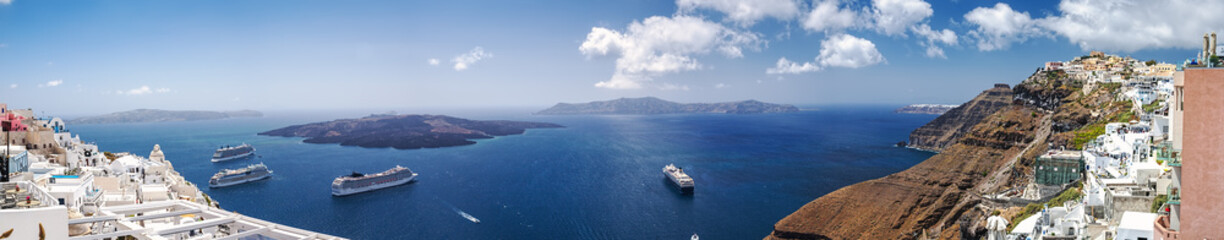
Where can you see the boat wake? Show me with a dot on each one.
(461, 213)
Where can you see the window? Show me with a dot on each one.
(61, 201)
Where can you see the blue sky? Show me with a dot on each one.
(85, 57)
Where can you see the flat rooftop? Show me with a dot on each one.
(1063, 154)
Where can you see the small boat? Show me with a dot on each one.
(230, 153)
(694, 237)
(231, 177)
(679, 178)
(469, 217)
(357, 182)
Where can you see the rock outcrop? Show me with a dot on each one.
(404, 131)
(947, 128)
(941, 196)
(652, 105)
(155, 115)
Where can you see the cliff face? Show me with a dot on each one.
(652, 105)
(947, 128)
(940, 197)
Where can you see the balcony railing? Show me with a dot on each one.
(1166, 153)
(1174, 195)
(94, 196)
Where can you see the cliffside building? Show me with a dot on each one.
(1059, 167)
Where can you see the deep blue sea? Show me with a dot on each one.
(597, 178)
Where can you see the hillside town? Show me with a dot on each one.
(56, 186)
(1124, 179)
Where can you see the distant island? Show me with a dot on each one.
(404, 131)
(155, 115)
(652, 105)
(936, 109)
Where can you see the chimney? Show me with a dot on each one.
(1213, 44)
(1206, 44)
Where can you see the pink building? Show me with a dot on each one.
(1051, 66)
(1196, 197)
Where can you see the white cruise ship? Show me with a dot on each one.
(230, 153)
(230, 177)
(678, 177)
(357, 182)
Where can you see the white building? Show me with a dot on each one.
(1136, 226)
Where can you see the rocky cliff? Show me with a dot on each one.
(940, 197)
(652, 105)
(947, 128)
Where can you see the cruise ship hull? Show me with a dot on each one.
(678, 178)
(233, 157)
(682, 188)
(219, 185)
(350, 191)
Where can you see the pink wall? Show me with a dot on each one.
(1203, 155)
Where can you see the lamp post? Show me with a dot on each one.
(4, 159)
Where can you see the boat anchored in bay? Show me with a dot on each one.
(679, 178)
(230, 153)
(357, 182)
(230, 177)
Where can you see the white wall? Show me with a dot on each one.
(24, 222)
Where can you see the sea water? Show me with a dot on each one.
(599, 177)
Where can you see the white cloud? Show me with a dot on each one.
(1000, 26)
(744, 12)
(843, 50)
(933, 51)
(658, 45)
(889, 17)
(6, 2)
(946, 37)
(827, 15)
(673, 87)
(1116, 25)
(13, 85)
(142, 90)
(463, 61)
(787, 67)
(720, 85)
(1128, 26)
(894, 17)
(52, 83)
(434, 62)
